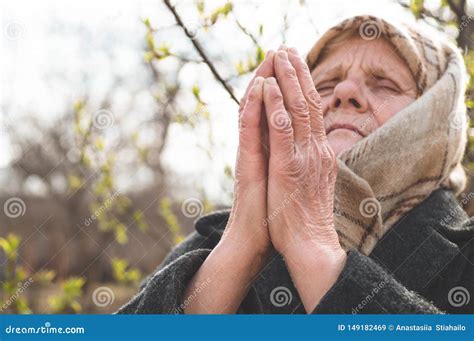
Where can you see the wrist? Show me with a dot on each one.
(314, 269)
(242, 256)
(251, 243)
(327, 259)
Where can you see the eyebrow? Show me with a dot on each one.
(374, 71)
(377, 71)
(328, 74)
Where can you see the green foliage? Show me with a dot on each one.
(123, 273)
(15, 276)
(153, 52)
(44, 276)
(109, 209)
(68, 300)
(139, 219)
(10, 245)
(252, 62)
(228, 172)
(219, 12)
(469, 61)
(171, 220)
(417, 7)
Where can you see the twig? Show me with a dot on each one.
(426, 14)
(246, 32)
(200, 50)
(458, 9)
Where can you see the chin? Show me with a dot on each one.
(341, 141)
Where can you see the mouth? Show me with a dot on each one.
(345, 126)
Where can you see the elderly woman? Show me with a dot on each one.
(346, 176)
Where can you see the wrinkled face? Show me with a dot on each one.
(362, 83)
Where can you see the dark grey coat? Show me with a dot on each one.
(424, 264)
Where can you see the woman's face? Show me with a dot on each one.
(362, 83)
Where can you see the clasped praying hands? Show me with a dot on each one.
(284, 188)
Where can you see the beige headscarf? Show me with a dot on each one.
(415, 152)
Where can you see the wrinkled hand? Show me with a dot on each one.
(302, 165)
(301, 179)
(246, 230)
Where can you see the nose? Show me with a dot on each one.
(348, 94)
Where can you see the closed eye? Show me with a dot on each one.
(326, 87)
(386, 84)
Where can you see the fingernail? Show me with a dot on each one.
(283, 55)
(271, 81)
(283, 47)
(293, 51)
(269, 53)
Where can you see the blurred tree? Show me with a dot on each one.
(457, 15)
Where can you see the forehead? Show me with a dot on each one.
(372, 56)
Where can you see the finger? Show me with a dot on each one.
(280, 128)
(250, 136)
(293, 97)
(311, 95)
(265, 70)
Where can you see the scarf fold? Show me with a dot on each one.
(415, 152)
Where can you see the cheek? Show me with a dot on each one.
(388, 108)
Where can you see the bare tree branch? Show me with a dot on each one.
(246, 32)
(427, 14)
(201, 51)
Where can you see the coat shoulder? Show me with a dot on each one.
(212, 225)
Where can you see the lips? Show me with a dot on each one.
(345, 126)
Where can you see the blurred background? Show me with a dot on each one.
(118, 129)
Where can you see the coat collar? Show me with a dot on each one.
(212, 225)
(440, 211)
(419, 247)
(417, 250)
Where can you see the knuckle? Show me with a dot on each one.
(303, 65)
(327, 157)
(243, 125)
(315, 99)
(314, 95)
(290, 72)
(275, 95)
(299, 105)
(252, 96)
